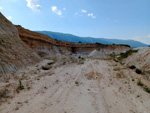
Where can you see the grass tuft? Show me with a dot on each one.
(139, 83)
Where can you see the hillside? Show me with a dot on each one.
(65, 82)
(14, 53)
(43, 44)
(141, 60)
(73, 38)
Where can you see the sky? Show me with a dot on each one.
(113, 19)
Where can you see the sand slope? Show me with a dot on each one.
(93, 87)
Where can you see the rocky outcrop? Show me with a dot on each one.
(44, 44)
(14, 53)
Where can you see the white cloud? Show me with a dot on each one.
(1, 8)
(34, 5)
(64, 9)
(9, 17)
(91, 15)
(83, 11)
(55, 10)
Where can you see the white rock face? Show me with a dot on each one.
(13, 52)
(141, 59)
(98, 54)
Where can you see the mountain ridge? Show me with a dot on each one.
(73, 38)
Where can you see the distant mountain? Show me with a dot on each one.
(73, 38)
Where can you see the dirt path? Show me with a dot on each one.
(69, 90)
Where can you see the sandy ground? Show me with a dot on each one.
(97, 86)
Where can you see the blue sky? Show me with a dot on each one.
(115, 19)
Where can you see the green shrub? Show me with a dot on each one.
(132, 67)
(64, 63)
(82, 58)
(3, 93)
(127, 53)
(138, 71)
(147, 89)
(81, 62)
(139, 83)
(77, 83)
(20, 85)
(98, 43)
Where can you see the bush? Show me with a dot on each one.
(82, 58)
(132, 67)
(20, 86)
(139, 83)
(77, 83)
(98, 43)
(138, 71)
(3, 93)
(64, 63)
(147, 89)
(127, 53)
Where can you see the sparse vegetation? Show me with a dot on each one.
(132, 67)
(64, 63)
(3, 93)
(77, 83)
(139, 83)
(19, 103)
(147, 89)
(55, 60)
(20, 86)
(98, 43)
(127, 53)
(81, 62)
(116, 69)
(113, 55)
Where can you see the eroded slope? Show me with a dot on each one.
(14, 53)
